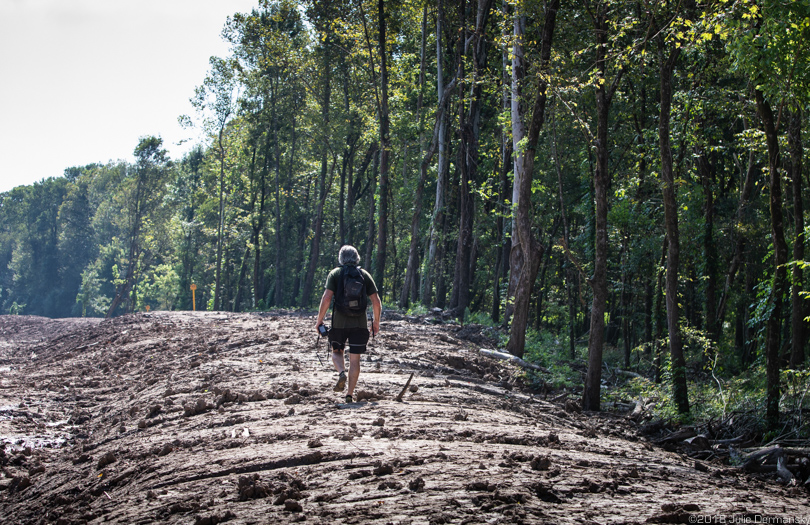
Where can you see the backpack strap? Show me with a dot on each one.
(339, 288)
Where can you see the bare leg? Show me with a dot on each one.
(337, 359)
(354, 372)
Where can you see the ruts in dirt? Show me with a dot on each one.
(206, 418)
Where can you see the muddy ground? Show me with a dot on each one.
(204, 418)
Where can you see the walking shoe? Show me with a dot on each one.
(341, 382)
(349, 399)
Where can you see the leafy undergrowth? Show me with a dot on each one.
(727, 400)
(727, 407)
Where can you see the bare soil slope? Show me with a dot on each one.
(206, 418)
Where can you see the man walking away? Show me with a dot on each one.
(352, 287)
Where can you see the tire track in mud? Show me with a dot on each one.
(209, 417)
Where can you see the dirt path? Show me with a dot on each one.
(210, 417)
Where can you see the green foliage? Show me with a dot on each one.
(417, 309)
(160, 288)
(546, 350)
(480, 318)
(732, 403)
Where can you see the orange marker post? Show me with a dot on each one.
(193, 297)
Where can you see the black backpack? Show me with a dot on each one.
(351, 299)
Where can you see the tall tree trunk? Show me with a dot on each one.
(568, 266)
(355, 192)
(413, 262)
(314, 257)
(468, 165)
(501, 256)
(347, 163)
(410, 286)
(237, 300)
(679, 390)
(797, 302)
(371, 191)
(649, 289)
(318, 221)
(257, 222)
(436, 218)
(385, 149)
(709, 248)
(739, 244)
(660, 317)
(543, 271)
(526, 249)
(772, 327)
(441, 261)
(601, 180)
(624, 300)
(220, 223)
(303, 231)
(279, 255)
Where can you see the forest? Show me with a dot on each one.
(615, 186)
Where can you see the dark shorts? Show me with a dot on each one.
(357, 337)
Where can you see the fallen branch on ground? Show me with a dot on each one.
(513, 358)
(402, 393)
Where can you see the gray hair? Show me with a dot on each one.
(348, 255)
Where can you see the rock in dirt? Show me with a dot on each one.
(257, 396)
(19, 483)
(383, 469)
(292, 505)
(483, 486)
(417, 485)
(293, 400)
(214, 519)
(165, 450)
(106, 459)
(83, 458)
(547, 494)
(251, 487)
(677, 507)
(365, 395)
(540, 463)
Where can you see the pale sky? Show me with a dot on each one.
(82, 80)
